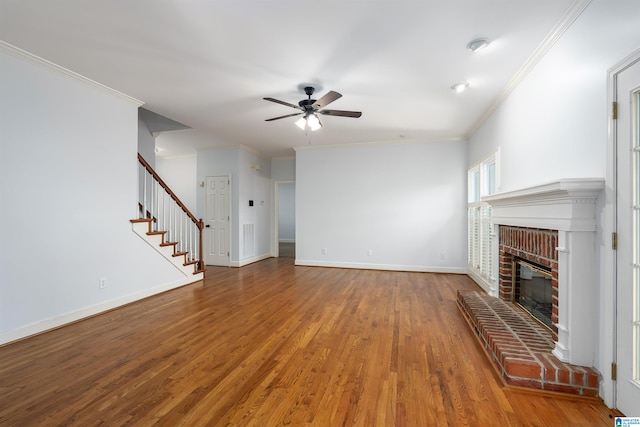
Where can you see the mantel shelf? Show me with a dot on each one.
(566, 204)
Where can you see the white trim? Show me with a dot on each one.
(64, 319)
(482, 282)
(376, 143)
(16, 51)
(608, 320)
(384, 267)
(566, 204)
(549, 41)
(251, 260)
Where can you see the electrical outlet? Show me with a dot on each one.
(324, 251)
(102, 283)
(443, 256)
(370, 252)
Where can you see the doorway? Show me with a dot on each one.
(217, 220)
(285, 224)
(627, 256)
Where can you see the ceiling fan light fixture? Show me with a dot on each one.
(314, 122)
(301, 123)
(477, 44)
(460, 87)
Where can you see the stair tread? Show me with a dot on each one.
(141, 220)
(180, 253)
(150, 233)
(168, 243)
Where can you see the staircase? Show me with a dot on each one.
(167, 225)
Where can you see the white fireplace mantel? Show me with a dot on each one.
(568, 206)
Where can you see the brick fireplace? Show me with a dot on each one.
(535, 245)
(553, 226)
(555, 223)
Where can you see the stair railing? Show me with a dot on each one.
(156, 201)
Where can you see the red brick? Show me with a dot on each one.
(564, 376)
(562, 388)
(591, 392)
(523, 369)
(523, 382)
(593, 380)
(579, 378)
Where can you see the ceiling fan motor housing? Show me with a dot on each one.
(307, 103)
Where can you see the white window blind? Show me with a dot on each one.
(483, 180)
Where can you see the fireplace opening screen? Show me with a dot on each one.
(532, 289)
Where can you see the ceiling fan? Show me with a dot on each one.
(310, 107)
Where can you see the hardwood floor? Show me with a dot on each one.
(273, 344)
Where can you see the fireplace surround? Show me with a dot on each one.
(553, 225)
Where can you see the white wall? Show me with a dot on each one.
(404, 202)
(246, 184)
(179, 173)
(283, 169)
(555, 125)
(68, 188)
(255, 185)
(146, 142)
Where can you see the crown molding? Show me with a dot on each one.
(20, 53)
(574, 11)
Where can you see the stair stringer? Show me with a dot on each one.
(155, 241)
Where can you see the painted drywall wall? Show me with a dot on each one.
(283, 169)
(555, 125)
(68, 188)
(287, 212)
(247, 184)
(179, 173)
(146, 142)
(396, 206)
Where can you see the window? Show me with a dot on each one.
(483, 179)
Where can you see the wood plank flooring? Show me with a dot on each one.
(273, 344)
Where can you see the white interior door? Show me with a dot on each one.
(217, 222)
(628, 229)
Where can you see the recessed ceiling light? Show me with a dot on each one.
(477, 44)
(460, 87)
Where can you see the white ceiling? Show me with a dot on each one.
(208, 63)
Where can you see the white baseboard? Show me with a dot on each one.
(385, 267)
(287, 240)
(251, 260)
(64, 319)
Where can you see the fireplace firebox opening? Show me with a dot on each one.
(532, 289)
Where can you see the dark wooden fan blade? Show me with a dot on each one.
(326, 100)
(277, 101)
(282, 117)
(341, 113)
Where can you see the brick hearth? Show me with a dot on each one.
(520, 348)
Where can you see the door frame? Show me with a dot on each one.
(610, 226)
(206, 215)
(276, 206)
